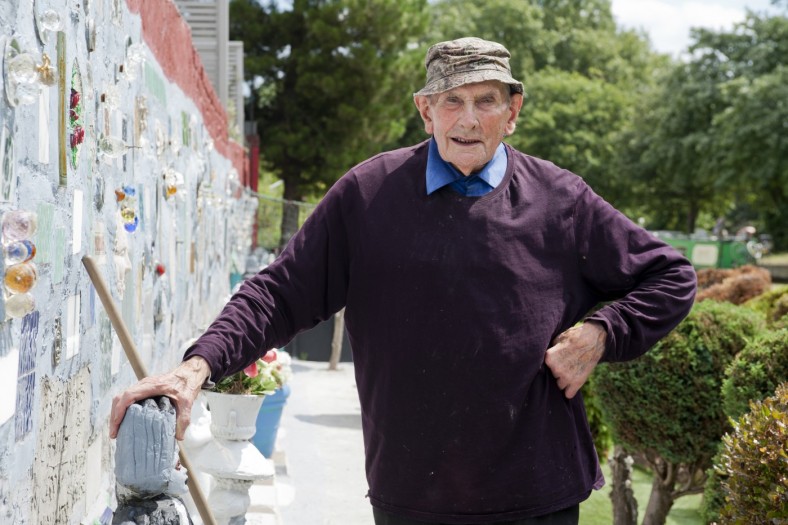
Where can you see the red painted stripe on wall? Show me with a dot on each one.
(168, 36)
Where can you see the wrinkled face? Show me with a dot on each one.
(469, 122)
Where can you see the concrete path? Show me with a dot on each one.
(324, 483)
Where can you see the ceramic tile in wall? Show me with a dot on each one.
(57, 342)
(26, 383)
(73, 329)
(7, 165)
(76, 223)
(25, 392)
(105, 353)
(58, 250)
(9, 363)
(43, 127)
(94, 471)
(27, 343)
(62, 86)
(43, 237)
(59, 467)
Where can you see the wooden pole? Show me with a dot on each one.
(336, 340)
(139, 369)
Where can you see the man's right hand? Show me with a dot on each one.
(181, 385)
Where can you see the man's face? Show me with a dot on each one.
(470, 121)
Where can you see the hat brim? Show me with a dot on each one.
(469, 77)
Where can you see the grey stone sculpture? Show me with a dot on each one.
(149, 478)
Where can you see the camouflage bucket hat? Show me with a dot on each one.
(466, 61)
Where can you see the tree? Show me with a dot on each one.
(751, 125)
(667, 406)
(669, 151)
(336, 79)
(712, 136)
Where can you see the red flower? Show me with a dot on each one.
(74, 98)
(251, 370)
(270, 356)
(77, 136)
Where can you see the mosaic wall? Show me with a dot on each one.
(113, 145)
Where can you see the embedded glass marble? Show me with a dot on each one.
(20, 74)
(19, 251)
(50, 20)
(112, 147)
(21, 277)
(111, 96)
(19, 224)
(128, 214)
(131, 226)
(173, 180)
(19, 305)
(47, 21)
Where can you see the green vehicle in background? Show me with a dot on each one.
(708, 251)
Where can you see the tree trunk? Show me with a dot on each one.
(625, 506)
(661, 499)
(290, 212)
(336, 340)
(692, 217)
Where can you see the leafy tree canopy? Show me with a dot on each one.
(336, 78)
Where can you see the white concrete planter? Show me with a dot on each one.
(233, 416)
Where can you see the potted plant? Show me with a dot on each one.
(271, 412)
(235, 400)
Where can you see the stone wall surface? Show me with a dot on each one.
(129, 112)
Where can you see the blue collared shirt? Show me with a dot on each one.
(440, 173)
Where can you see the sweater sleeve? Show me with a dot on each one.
(651, 286)
(305, 285)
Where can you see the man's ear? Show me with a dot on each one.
(515, 105)
(423, 105)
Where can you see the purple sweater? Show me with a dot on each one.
(451, 302)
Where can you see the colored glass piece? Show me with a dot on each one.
(19, 224)
(128, 214)
(20, 251)
(132, 226)
(21, 277)
(19, 305)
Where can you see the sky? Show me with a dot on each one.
(668, 22)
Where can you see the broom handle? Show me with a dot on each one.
(139, 369)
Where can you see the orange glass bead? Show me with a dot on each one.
(19, 278)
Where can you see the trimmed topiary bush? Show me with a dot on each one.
(754, 467)
(740, 285)
(666, 405)
(713, 496)
(755, 372)
(773, 305)
(603, 439)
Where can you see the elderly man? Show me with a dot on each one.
(467, 270)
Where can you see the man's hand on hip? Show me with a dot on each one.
(181, 385)
(574, 355)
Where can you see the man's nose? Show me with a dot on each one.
(468, 118)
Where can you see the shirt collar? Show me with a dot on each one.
(440, 173)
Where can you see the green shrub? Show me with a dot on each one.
(603, 439)
(755, 372)
(713, 496)
(755, 464)
(668, 401)
(773, 305)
